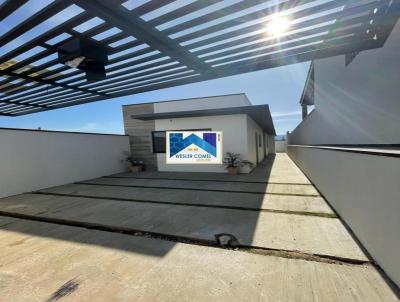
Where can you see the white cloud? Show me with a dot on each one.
(285, 120)
(285, 114)
(92, 127)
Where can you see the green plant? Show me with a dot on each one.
(134, 162)
(234, 160)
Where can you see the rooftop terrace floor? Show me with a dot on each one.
(151, 237)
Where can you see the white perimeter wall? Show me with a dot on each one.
(234, 131)
(358, 104)
(252, 130)
(364, 190)
(33, 160)
(280, 146)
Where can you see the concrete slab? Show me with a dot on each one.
(251, 201)
(308, 234)
(291, 189)
(47, 262)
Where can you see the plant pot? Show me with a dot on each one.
(136, 169)
(233, 170)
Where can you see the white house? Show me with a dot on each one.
(247, 129)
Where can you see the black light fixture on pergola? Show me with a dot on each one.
(71, 52)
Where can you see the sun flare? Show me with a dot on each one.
(278, 25)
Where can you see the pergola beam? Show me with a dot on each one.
(143, 32)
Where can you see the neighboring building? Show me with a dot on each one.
(356, 101)
(247, 129)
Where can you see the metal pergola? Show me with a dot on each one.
(163, 43)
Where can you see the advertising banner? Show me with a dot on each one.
(198, 147)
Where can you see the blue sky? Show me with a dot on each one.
(279, 87)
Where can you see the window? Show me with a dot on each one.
(159, 141)
(259, 140)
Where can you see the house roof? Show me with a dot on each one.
(211, 97)
(160, 44)
(259, 113)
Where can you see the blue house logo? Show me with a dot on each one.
(177, 143)
(194, 147)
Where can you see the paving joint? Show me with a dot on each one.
(211, 180)
(195, 189)
(304, 213)
(281, 253)
(291, 254)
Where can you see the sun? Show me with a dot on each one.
(278, 25)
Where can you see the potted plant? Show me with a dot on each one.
(233, 162)
(136, 165)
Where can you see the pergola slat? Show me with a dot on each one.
(52, 9)
(10, 6)
(332, 28)
(261, 28)
(231, 9)
(139, 29)
(257, 15)
(150, 6)
(307, 24)
(184, 10)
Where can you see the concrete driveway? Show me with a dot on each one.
(152, 237)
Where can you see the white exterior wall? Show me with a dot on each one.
(270, 148)
(234, 132)
(358, 104)
(269, 144)
(252, 130)
(214, 102)
(33, 160)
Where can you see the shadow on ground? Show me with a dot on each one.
(196, 220)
